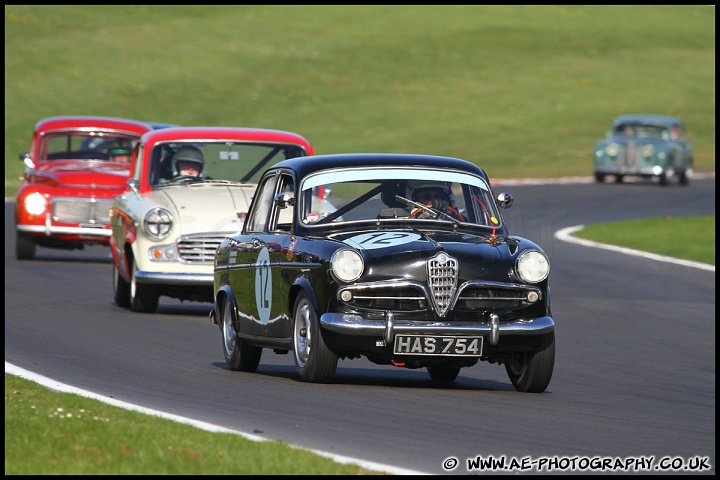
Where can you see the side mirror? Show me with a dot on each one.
(283, 200)
(505, 200)
(27, 159)
(133, 185)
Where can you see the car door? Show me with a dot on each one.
(249, 262)
(272, 279)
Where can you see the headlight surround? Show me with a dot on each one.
(35, 203)
(613, 149)
(346, 265)
(158, 223)
(532, 266)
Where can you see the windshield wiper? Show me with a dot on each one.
(435, 214)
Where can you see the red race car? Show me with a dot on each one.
(75, 167)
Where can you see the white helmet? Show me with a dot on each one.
(413, 185)
(187, 153)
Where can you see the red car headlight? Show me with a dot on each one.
(35, 204)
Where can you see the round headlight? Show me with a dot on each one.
(346, 265)
(158, 223)
(35, 203)
(532, 266)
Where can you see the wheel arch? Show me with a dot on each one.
(302, 285)
(124, 264)
(223, 292)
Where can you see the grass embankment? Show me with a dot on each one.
(521, 91)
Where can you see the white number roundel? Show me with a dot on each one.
(371, 241)
(263, 286)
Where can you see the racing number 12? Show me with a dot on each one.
(263, 286)
(264, 283)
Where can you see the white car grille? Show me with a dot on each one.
(200, 248)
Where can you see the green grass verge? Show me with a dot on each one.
(523, 91)
(687, 238)
(51, 433)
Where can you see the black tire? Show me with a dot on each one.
(121, 289)
(619, 178)
(599, 177)
(683, 178)
(239, 355)
(443, 373)
(313, 360)
(24, 247)
(531, 371)
(143, 298)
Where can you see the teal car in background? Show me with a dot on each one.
(654, 146)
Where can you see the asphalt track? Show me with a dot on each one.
(634, 378)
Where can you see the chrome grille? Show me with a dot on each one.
(81, 210)
(629, 156)
(200, 248)
(442, 272)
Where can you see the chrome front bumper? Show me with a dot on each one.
(351, 324)
(49, 230)
(181, 279)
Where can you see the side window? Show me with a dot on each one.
(160, 169)
(284, 216)
(258, 217)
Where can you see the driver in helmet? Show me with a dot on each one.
(433, 194)
(188, 161)
(120, 154)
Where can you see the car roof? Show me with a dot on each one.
(70, 122)
(230, 133)
(648, 118)
(306, 165)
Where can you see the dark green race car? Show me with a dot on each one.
(653, 146)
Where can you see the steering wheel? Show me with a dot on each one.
(184, 178)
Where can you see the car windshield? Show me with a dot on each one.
(397, 194)
(215, 161)
(86, 145)
(642, 130)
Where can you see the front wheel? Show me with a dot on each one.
(24, 247)
(531, 371)
(121, 289)
(239, 355)
(143, 298)
(683, 178)
(313, 359)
